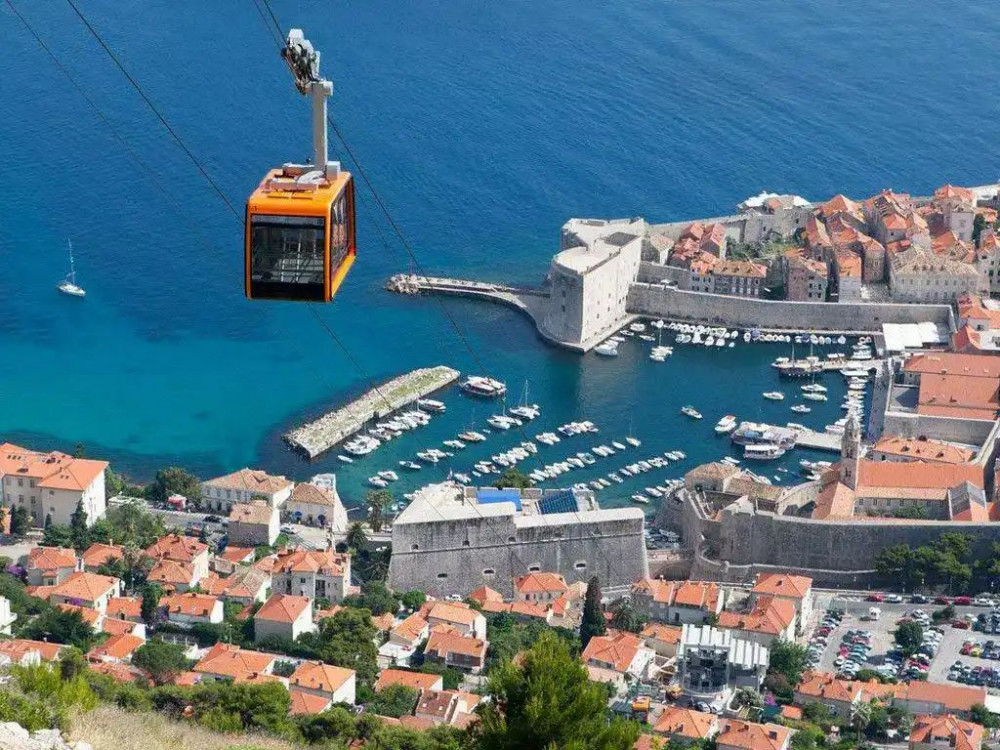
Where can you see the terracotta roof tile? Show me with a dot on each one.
(416, 680)
(283, 608)
(315, 675)
(783, 584)
(85, 586)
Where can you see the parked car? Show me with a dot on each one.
(962, 601)
(919, 599)
(961, 624)
(876, 598)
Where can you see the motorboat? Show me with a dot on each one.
(634, 442)
(345, 459)
(725, 425)
(362, 445)
(763, 451)
(411, 465)
(502, 422)
(814, 396)
(690, 411)
(456, 444)
(814, 388)
(431, 405)
(484, 387)
(637, 327)
(377, 481)
(801, 409)
(606, 349)
(774, 395)
(640, 499)
(472, 437)
(388, 475)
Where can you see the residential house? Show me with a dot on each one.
(416, 680)
(47, 566)
(225, 661)
(316, 678)
(117, 626)
(190, 609)
(254, 523)
(118, 648)
(445, 707)
(182, 549)
(124, 608)
(86, 590)
(677, 602)
(485, 594)
(805, 279)
(244, 486)
(313, 505)
(245, 586)
(791, 588)
(620, 652)
(404, 640)
(744, 735)
(839, 696)
(663, 639)
(539, 588)
(302, 703)
(741, 278)
(686, 726)
(317, 574)
(457, 615)
(768, 619)
(284, 616)
(945, 732)
(453, 649)
(521, 611)
(937, 698)
(173, 576)
(98, 554)
(988, 260)
(51, 485)
(921, 276)
(25, 652)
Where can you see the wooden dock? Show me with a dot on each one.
(318, 436)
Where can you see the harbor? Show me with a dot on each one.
(318, 436)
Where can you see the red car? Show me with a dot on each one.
(942, 600)
(962, 601)
(876, 597)
(960, 624)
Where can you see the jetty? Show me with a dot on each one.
(318, 436)
(824, 441)
(526, 299)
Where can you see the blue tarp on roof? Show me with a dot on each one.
(489, 495)
(558, 502)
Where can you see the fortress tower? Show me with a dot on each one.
(850, 453)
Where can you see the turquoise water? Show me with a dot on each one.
(485, 126)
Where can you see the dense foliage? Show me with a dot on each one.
(948, 563)
(593, 615)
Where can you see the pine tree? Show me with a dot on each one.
(78, 526)
(19, 522)
(593, 616)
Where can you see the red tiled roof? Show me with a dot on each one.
(315, 675)
(51, 558)
(750, 736)
(176, 547)
(283, 608)
(540, 583)
(117, 647)
(687, 723)
(97, 554)
(946, 730)
(86, 586)
(783, 584)
(232, 661)
(303, 703)
(416, 680)
(618, 650)
(189, 604)
(124, 607)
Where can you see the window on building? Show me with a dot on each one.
(489, 572)
(580, 565)
(465, 543)
(414, 546)
(442, 575)
(534, 568)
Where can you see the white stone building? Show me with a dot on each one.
(918, 276)
(317, 574)
(316, 506)
(253, 524)
(51, 484)
(244, 486)
(284, 616)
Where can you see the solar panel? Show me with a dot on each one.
(563, 501)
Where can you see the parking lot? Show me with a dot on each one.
(855, 640)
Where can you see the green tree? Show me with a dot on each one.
(56, 536)
(348, 640)
(336, 724)
(357, 539)
(978, 225)
(547, 701)
(377, 501)
(394, 701)
(60, 626)
(151, 595)
(162, 660)
(173, 480)
(71, 663)
(862, 717)
(131, 523)
(788, 659)
(748, 698)
(413, 599)
(626, 618)
(909, 637)
(982, 716)
(20, 523)
(513, 477)
(79, 533)
(593, 615)
(374, 597)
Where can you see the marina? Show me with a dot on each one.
(318, 436)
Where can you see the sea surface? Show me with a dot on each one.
(483, 126)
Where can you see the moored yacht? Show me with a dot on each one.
(690, 411)
(431, 405)
(725, 425)
(477, 385)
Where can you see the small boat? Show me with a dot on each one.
(345, 459)
(606, 349)
(388, 475)
(814, 396)
(690, 411)
(763, 451)
(477, 385)
(430, 405)
(411, 465)
(814, 388)
(618, 446)
(640, 499)
(725, 425)
(472, 437)
(801, 409)
(456, 444)
(69, 285)
(637, 327)
(634, 442)
(857, 387)
(774, 395)
(377, 481)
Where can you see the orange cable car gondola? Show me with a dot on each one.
(299, 239)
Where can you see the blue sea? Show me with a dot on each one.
(484, 126)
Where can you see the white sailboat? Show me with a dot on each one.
(69, 285)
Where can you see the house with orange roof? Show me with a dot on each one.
(921, 276)
(118, 648)
(236, 555)
(938, 698)
(90, 616)
(325, 680)
(485, 594)
(957, 208)
(677, 602)
(185, 610)
(313, 505)
(686, 726)
(945, 732)
(457, 615)
(115, 626)
(539, 588)
(123, 673)
(453, 707)
(620, 652)
(302, 703)
(806, 279)
(415, 680)
(254, 523)
(174, 576)
(453, 649)
(244, 486)
(768, 619)
(663, 639)
(98, 554)
(742, 278)
(567, 610)
(182, 549)
(744, 735)
(48, 566)
(51, 485)
(839, 696)
(317, 574)
(245, 586)
(988, 258)
(124, 608)
(791, 588)
(404, 640)
(25, 652)
(226, 661)
(521, 611)
(86, 590)
(284, 616)
(896, 448)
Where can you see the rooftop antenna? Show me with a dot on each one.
(303, 62)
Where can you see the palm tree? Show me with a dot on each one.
(377, 500)
(356, 539)
(862, 718)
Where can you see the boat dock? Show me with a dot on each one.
(824, 441)
(318, 436)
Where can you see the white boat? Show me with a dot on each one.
(774, 395)
(801, 409)
(857, 387)
(814, 396)
(412, 465)
(456, 444)
(725, 425)
(606, 349)
(618, 446)
(814, 388)
(388, 475)
(69, 285)
(763, 451)
(377, 482)
(431, 405)
(634, 442)
(637, 327)
(472, 436)
(345, 459)
(640, 499)
(477, 385)
(362, 445)
(690, 411)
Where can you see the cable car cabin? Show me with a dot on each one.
(299, 234)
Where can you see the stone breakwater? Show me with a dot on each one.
(318, 436)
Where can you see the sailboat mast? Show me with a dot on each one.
(72, 271)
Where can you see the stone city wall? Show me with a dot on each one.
(455, 557)
(967, 431)
(665, 302)
(656, 273)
